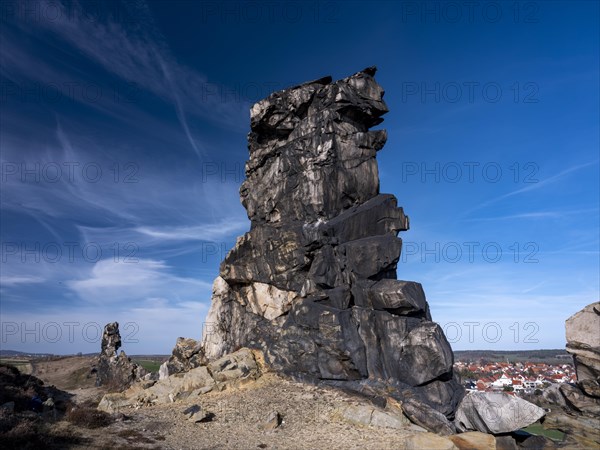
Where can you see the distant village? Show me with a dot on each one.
(513, 378)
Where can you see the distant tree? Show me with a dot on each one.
(537, 392)
(507, 388)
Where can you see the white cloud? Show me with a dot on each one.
(113, 282)
(207, 232)
(16, 280)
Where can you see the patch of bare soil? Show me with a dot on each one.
(72, 374)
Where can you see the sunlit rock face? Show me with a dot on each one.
(313, 283)
(115, 371)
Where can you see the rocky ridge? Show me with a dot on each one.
(576, 407)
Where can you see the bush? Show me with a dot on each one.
(88, 417)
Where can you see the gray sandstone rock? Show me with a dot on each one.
(187, 354)
(196, 414)
(230, 370)
(313, 283)
(583, 342)
(272, 421)
(495, 412)
(576, 407)
(117, 372)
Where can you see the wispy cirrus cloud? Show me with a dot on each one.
(110, 281)
(208, 232)
(535, 186)
(556, 214)
(141, 55)
(16, 280)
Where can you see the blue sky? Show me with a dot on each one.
(123, 141)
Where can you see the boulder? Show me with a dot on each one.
(575, 408)
(579, 401)
(583, 342)
(272, 421)
(187, 354)
(506, 442)
(582, 429)
(366, 415)
(196, 414)
(114, 402)
(495, 412)
(429, 441)
(474, 440)
(235, 366)
(422, 414)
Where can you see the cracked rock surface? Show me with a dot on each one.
(313, 284)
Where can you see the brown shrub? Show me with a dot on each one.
(88, 417)
(28, 434)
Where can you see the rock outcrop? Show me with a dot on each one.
(227, 371)
(583, 342)
(577, 406)
(495, 413)
(312, 287)
(313, 283)
(187, 354)
(117, 372)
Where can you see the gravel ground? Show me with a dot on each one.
(310, 420)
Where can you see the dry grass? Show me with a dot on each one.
(34, 434)
(88, 417)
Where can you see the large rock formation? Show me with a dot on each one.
(577, 406)
(186, 355)
(313, 283)
(117, 372)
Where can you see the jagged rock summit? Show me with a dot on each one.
(313, 283)
(113, 370)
